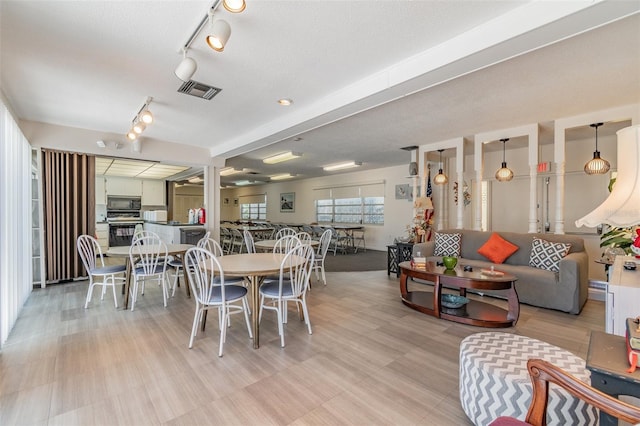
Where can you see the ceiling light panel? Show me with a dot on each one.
(281, 176)
(228, 171)
(340, 166)
(283, 156)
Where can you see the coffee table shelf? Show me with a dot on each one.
(475, 312)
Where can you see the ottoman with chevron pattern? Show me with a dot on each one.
(494, 380)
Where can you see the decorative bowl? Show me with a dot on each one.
(453, 301)
(450, 262)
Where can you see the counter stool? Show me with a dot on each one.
(494, 380)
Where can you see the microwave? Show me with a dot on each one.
(124, 203)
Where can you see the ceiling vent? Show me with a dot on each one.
(199, 90)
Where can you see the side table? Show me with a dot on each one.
(607, 361)
(396, 254)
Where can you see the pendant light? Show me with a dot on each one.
(596, 166)
(504, 174)
(440, 178)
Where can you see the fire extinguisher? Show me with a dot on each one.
(202, 217)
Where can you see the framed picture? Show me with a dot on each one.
(404, 192)
(235, 201)
(288, 202)
(226, 201)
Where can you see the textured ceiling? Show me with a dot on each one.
(366, 77)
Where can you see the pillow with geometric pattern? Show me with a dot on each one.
(447, 244)
(547, 255)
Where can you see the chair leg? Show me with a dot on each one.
(324, 277)
(134, 293)
(305, 311)
(223, 328)
(89, 293)
(113, 287)
(245, 305)
(194, 327)
(280, 324)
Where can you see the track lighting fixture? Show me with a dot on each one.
(504, 174)
(186, 68)
(440, 178)
(140, 121)
(217, 38)
(597, 165)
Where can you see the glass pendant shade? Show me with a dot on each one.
(597, 165)
(440, 178)
(504, 174)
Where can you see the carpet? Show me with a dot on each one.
(370, 260)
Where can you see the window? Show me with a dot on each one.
(253, 211)
(253, 207)
(362, 204)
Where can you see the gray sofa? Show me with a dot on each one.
(565, 291)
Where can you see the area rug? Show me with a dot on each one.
(370, 260)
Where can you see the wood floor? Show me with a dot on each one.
(371, 360)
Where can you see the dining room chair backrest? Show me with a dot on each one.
(211, 245)
(297, 273)
(304, 237)
(143, 234)
(205, 274)
(285, 244)
(151, 258)
(248, 241)
(90, 252)
(283, 232)
(325, 242)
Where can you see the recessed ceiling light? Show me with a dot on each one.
(285, 101)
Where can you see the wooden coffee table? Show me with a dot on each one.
(473, 313)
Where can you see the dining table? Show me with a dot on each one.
(177, 250)
(255, 266)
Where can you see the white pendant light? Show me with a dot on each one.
(234, 6)
(597, 165)
(186, 68)
(504, 174)
(220, 33)
(622, 206)
(440, 178)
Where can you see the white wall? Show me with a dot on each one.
(398, 213)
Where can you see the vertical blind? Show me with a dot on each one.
(15, 221)
(68, 181)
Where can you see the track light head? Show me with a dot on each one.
(220, 33)
(186, 68)
(139, 127)
(146, 117)
(234, 6)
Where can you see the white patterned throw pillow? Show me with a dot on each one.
(447, 245)
(547, 255)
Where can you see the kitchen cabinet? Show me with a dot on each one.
(101, 190)
(123, 186)
(169, 234)
(102, 235)
(153, 192)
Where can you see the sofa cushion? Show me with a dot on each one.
(497, 249)
(447, 244)
(547, 255)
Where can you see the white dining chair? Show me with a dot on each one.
(323, 248)
(149, 255)
(284, 232)
(93, 261)
(291, 286)
(210, 291)
(248, 242)
(304, 237)
(176, 263)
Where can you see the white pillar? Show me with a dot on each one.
(477, 194)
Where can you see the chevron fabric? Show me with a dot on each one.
(494, 380)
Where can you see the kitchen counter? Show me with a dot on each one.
(172, 223)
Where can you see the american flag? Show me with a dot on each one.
(429, 190)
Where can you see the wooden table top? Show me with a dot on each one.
(123, 251)
(246, 264)
(476, 274)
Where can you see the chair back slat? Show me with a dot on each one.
(203, 268)
(298, 274)
(285, 244)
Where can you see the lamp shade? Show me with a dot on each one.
(186, 69)
(504, 174)
(622, 207)
(220, 33)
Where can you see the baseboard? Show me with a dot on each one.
(597, 294)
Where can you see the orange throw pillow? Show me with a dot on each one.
(497, 249)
